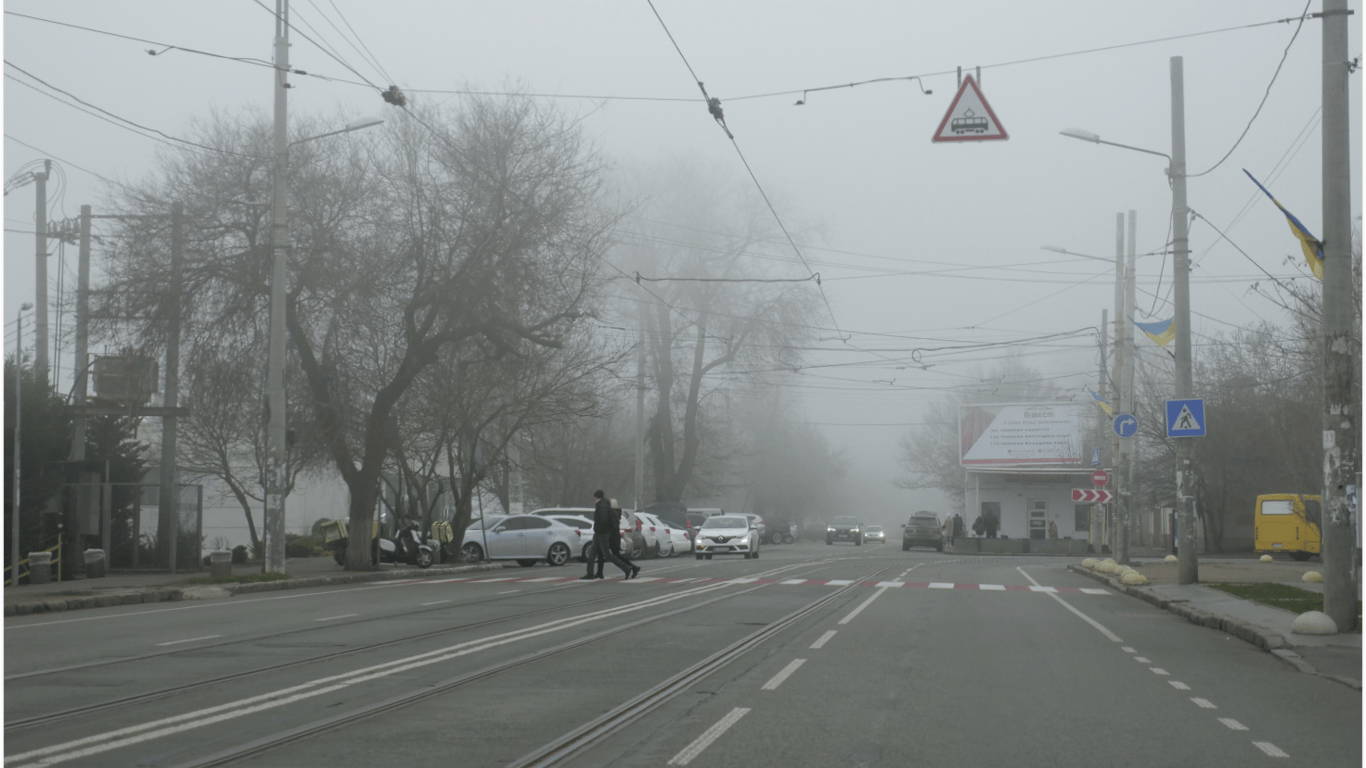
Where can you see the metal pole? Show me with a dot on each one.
(82, 337)
(1188, 569)
(640, 409)
(168, 499)
(18, 455)
(1340, 416)
(275, 364)
(1093, 535)
(40, 367)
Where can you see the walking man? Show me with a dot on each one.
(603, 524)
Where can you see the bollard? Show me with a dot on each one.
(39, 567)
(94, 563)
(220, 564)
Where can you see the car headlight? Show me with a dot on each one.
(829, 530)
(853, 530)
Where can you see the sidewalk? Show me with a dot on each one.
(155, 587)
(1337, 657)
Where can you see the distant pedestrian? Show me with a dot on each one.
(1052, 529)
(992, 522)
(978, 527)
(958, 527)
(948, 531)
(603, 524)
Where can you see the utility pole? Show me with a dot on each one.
(640, 409)
(1188, 567)
(1117, 531)
(18, 452)
(40, 366)
(80, 495)
(1093, 536)
(168, 501)
(275, 364)
(1341, 428)
(1129, 445)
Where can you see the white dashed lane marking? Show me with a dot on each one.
(1269, 748)
(711, 734)
(1204, 703)
(825, 638)
(777, 680)
(1233, 724)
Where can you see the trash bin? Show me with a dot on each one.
(220, 564)
(94, 563)
(39, 567)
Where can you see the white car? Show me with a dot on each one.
(658, 540)
(875, 533)
(727, 535)
(584, 526)
(527, 539)
(682, 542)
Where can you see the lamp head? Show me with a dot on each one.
(25, 307)
(363, 122)
(1084, 135)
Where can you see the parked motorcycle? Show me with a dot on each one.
(407, 546)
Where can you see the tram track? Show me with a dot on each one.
(135, 734)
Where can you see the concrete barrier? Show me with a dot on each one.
(1003, 546)
(220, 564)
(94, 563)
(1058, 546)
(39, 567)
(966, 544)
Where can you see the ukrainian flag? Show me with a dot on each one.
(1161, 332)
(1313, 249)
(1104, 406)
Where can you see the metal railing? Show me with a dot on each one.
(55, 549)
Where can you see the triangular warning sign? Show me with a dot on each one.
(1185, 421)
(970, 117)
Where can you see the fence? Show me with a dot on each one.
(55, 550)
(125, 520)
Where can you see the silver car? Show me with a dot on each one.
(527, 539)
(727, 535)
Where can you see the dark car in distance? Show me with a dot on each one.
(922, 531)
(844, 528)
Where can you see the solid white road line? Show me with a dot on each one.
(1100, 627)
(711, 734)
(190, 640)
(1269, 748)
(777, 680)
(825, 638)
(436, 602)
(862, 605)
(510, 591)
(343, 616)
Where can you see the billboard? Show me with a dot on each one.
(1013, 434)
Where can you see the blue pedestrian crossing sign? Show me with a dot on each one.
(1125, 425)
(1186, 418)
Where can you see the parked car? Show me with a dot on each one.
(923, 530)
(778, 530)
(658, 541)
(583, 524)
(758, 523)
(681, 539)
(528, 539)
(844, 528)
(727, 535)
(875, 533)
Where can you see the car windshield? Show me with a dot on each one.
(726, 522)
(875, 529)
(845, 521)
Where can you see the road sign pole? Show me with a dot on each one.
(1188, 568)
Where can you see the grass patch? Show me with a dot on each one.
(247, 578)
(1281, 596)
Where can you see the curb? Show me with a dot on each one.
(1271, 642)
(136, 596)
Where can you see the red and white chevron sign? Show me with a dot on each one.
(1092, 495)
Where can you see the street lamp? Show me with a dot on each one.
(276, 477)
(1066, 252)
(1188, 568)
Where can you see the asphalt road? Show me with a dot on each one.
(812, 655)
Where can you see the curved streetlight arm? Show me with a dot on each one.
(353, 126)
(1066, 252)
(1077, 133)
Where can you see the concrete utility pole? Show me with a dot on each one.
(79, 389)
(18, 452)
(1117, 531)
(168, 500)
(1340, 418)
(1128, 445)
(40, 367)
(640, 410)
(275, 365)
(1188, 567)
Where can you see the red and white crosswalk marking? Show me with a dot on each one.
(751, 580)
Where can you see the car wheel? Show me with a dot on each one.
(905, 547)
(756, 554)
(526, 562)
(828, 542)
(472, 551)
(558, 554)
(699, 557)
(708, 556)
(939, 548)
(424, 558)
(787, 538)
(858, 542)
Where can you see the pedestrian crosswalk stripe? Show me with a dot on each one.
(794, 582)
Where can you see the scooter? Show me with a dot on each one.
(406, 547)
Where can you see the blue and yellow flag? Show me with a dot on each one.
(1104, 406)
(1313, 249)
(1162, 331)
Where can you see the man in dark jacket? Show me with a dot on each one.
(595, 559)
(603, 524)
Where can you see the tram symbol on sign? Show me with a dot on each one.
(969, 123)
